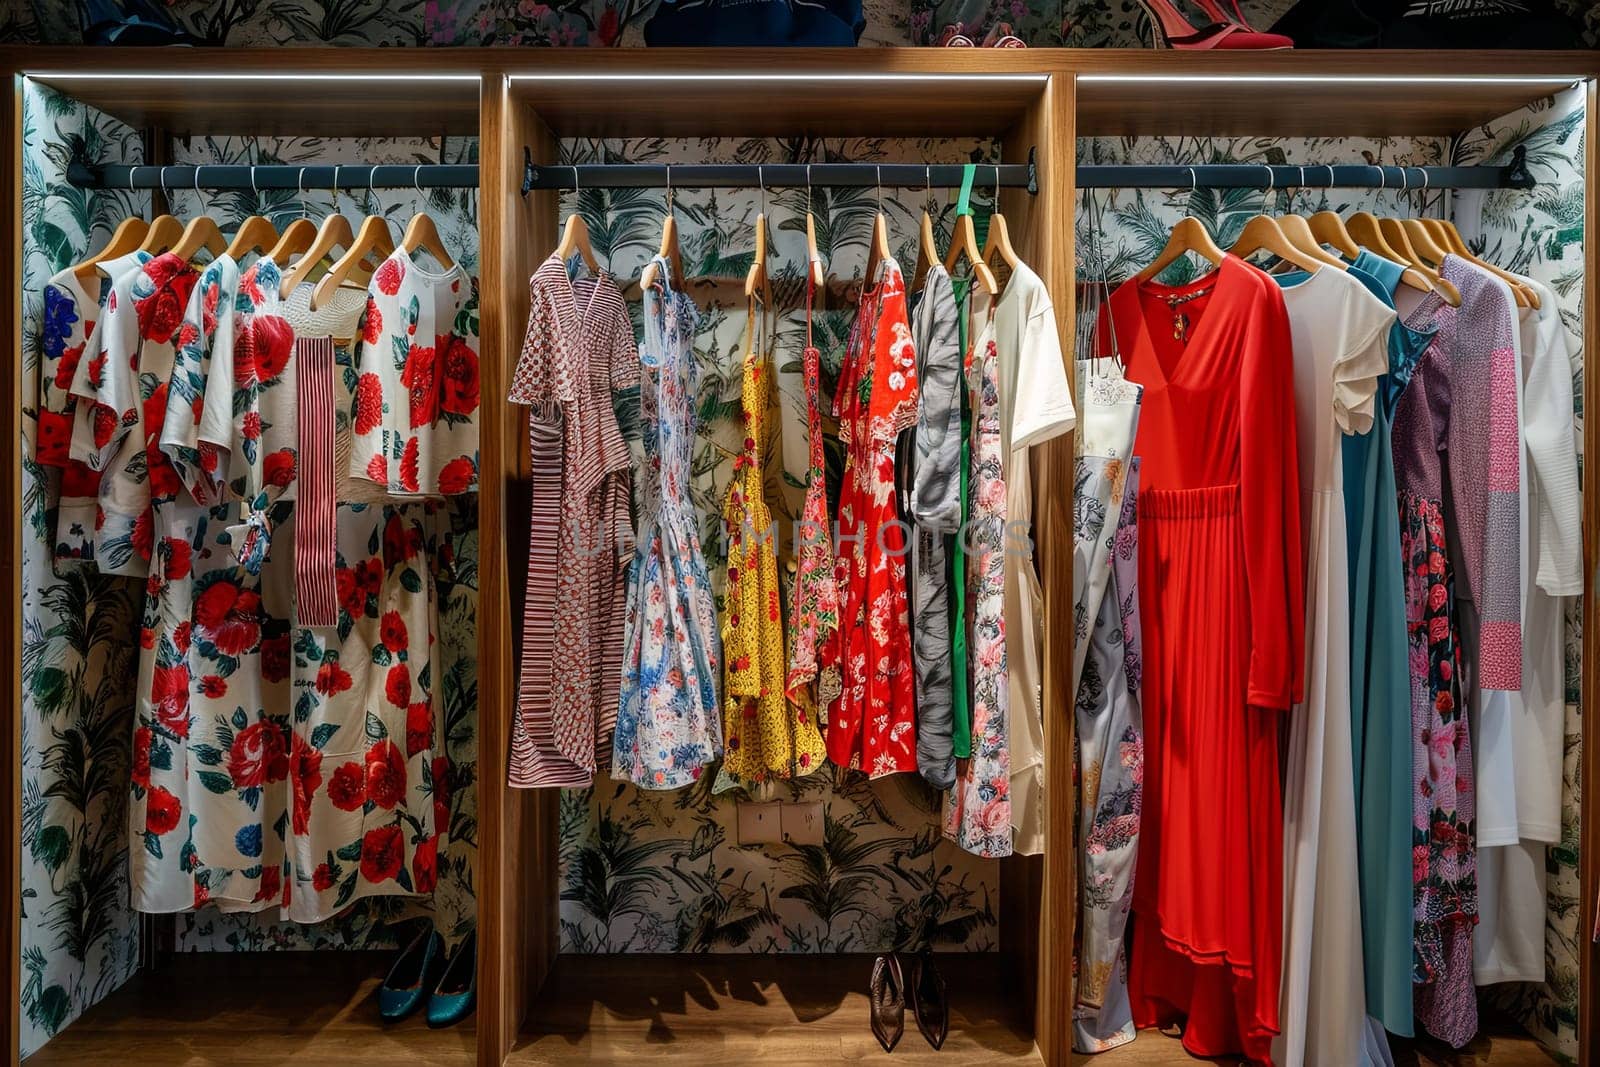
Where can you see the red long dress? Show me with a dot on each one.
(1220, 587)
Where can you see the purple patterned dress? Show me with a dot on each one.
(1465, 381)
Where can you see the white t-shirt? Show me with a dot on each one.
(1035, 406)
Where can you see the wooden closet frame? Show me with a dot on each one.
(1041, 99)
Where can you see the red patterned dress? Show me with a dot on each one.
(871, 722)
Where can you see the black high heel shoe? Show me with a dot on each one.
(886, 1001)
(929, 997)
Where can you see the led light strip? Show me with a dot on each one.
(1340, 79)
(1031, 79)
(256, 76)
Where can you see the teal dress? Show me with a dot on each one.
(1380, 678)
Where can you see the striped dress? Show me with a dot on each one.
(578, 351)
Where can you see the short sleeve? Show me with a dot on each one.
(1042, 408)
(1365, 360)
(533, 380)
(106, 380)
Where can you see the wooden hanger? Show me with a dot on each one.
(1391, 243)
(1262, 234)
(1328, 228)
(756, 283)
(372, 240)
(998, 239)
(295, 239)
(129, 235)
(964, 242)
(1363, 226)
(819, 277)
(575, 239)
(1187, 236)
(927, 250)
(1445, 233)
(255, 234)
(998, 243)
(202, 234)
(164, 232)
(1422, 241)
(334, 234)
(1298, 233)
(670, 249)
(422, 234)
(879, 249)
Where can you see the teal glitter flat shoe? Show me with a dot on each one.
(412, 976)
(457, 992)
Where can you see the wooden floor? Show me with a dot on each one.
(790, 1011)
(316, 1009)
(307, 1009)
(1500, 1045)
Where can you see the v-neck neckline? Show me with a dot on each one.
(1222, 274)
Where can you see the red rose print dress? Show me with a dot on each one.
(123, 386)
(871, 722)
(416, 424)
(72, 316)
(368, 780)
(209, 745)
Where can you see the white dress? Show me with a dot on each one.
(1508, 942)
(1340, 335)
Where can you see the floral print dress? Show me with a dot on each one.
(814, 603)
(764, 735)
(872, 721)
(416, 427)
(368, 778)
(72, 317)
(123, 389)
(668, 721)
(1106, 651)
(977, 810)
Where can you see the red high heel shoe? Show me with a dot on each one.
(1171, 29)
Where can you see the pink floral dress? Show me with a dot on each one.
(416, 418)
(977, 814)
(871, 722)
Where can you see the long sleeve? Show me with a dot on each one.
(1552, 456)
(1485, 491)
(1269, 491)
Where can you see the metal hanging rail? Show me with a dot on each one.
(319, 177)
(1319, 176)
(774, 175)
(356, 176)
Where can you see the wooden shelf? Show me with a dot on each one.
(741, 1009)
(283, 1007)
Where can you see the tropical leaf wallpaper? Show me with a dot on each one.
(662, 872)
(1540, 234)
(601, 23)
(79, 940)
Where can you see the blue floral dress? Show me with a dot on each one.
(668, 725)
